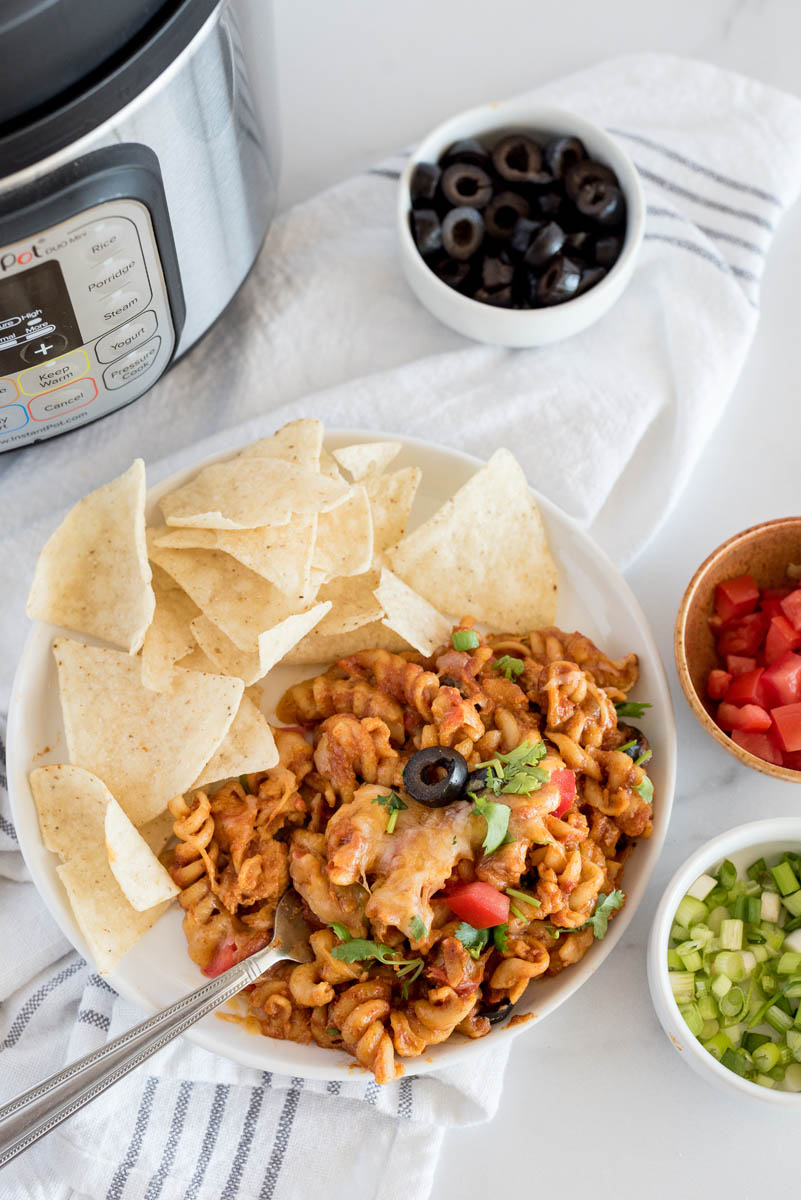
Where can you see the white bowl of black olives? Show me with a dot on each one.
(519, 223)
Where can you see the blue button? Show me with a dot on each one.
(12, 417)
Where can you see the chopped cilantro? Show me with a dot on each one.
(465, 639)
(361, 949)
(393, 805)
(499, 937)
(332, 1031)
(524, 896)
(497, 818)
(342, 932)
(510, 667)
(631, 708)
(604, 908)
(244, 784)
(417, 929)
(473, 940)
(626, 746)
(644, 757)
(645, 789)
(517, 772)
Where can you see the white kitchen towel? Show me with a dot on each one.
(608, 424)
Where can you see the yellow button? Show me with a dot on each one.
(54, 373)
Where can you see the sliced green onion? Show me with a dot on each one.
(702, 886)
(770, 907)
(682, 986)
(788, 964)
(778, 1019)
(756, 869)
(766, 1056)
(793, 903)
(465, 639)
(786, 881)
(690, 912)
(707, 1008)
(792, 1077)
(709, 1029)
(727, 874)
(735, 1061)
(718, 1045)
(524, 896)
(716, 918)
(674, 962)
(733, 1003)
(693, 1018)
(731, 935)
(765, 1081)
(721, 984)
(730, 962)
(753, 1040)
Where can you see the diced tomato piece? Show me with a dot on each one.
(717, 684)
(715, 623)
(787, 723)
(781, 638)
(749, 717)
(791, 607)
(760, 744)
(771, 600)
(781, 682)
(565, 780)
(480, 904)
(738, 664)
(743, 636)
(746, 689)
(229, 953)
(736, 597)
(792, 759)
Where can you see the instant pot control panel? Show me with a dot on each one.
(86, 320)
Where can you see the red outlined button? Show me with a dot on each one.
(63, 399)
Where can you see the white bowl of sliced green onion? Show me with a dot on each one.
(724, 960)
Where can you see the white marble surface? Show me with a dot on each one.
(596, 1098)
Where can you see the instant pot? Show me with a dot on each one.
(137, 181)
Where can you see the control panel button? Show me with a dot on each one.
(121, 304)
(129, 335)
(8, 391)
(48, 345)
(109, 237)
(112, 274)
(53, 374)
(12, 418)
(126, 369)
(62, 400)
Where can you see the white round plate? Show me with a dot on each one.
(593, 597)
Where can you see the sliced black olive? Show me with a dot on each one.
(545, 245)
(424, 182)
(462, 232)
(607, 251)
(550, 204)
(451, 271)
(640, 745)
(601, 202)
(578, 243)
(495, 273)
(587, 171)
(519, 160)
(503, 212)
(561, 153)
(589, 277)
(465, 183)
(466, 150)
(497, 1012)
(435, 776)
(522, 234)
(477, 780)
(426, 230)
(498, 298)
(559, 282)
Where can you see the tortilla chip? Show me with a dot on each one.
(235, 599)
(145, 746)
(353, 603)
(328, 467)
(93, 575)
(158, 831)
(299, 442)
(142, 878)
(367, 458)
(485, 553)
(409, 615)
(344, 543)
(281, 554)
(391, 500)
(273, 644)
(317, 649)
(169, 636)
(72, 805)
(248, 746)
(246, 493)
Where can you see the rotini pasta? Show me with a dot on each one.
(375, 867)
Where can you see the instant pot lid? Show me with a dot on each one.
(69, 65)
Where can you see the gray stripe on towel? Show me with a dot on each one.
(137, 1137)
(282, 1134)
(216, 1114)
(33, 1002)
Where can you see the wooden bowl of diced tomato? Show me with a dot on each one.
(738, 646)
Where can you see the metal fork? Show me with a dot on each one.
(36, 1112)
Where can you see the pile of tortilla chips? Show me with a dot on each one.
(282, 553)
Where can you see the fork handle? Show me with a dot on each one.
(34, 1113)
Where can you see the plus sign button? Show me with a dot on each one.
(44, 348)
